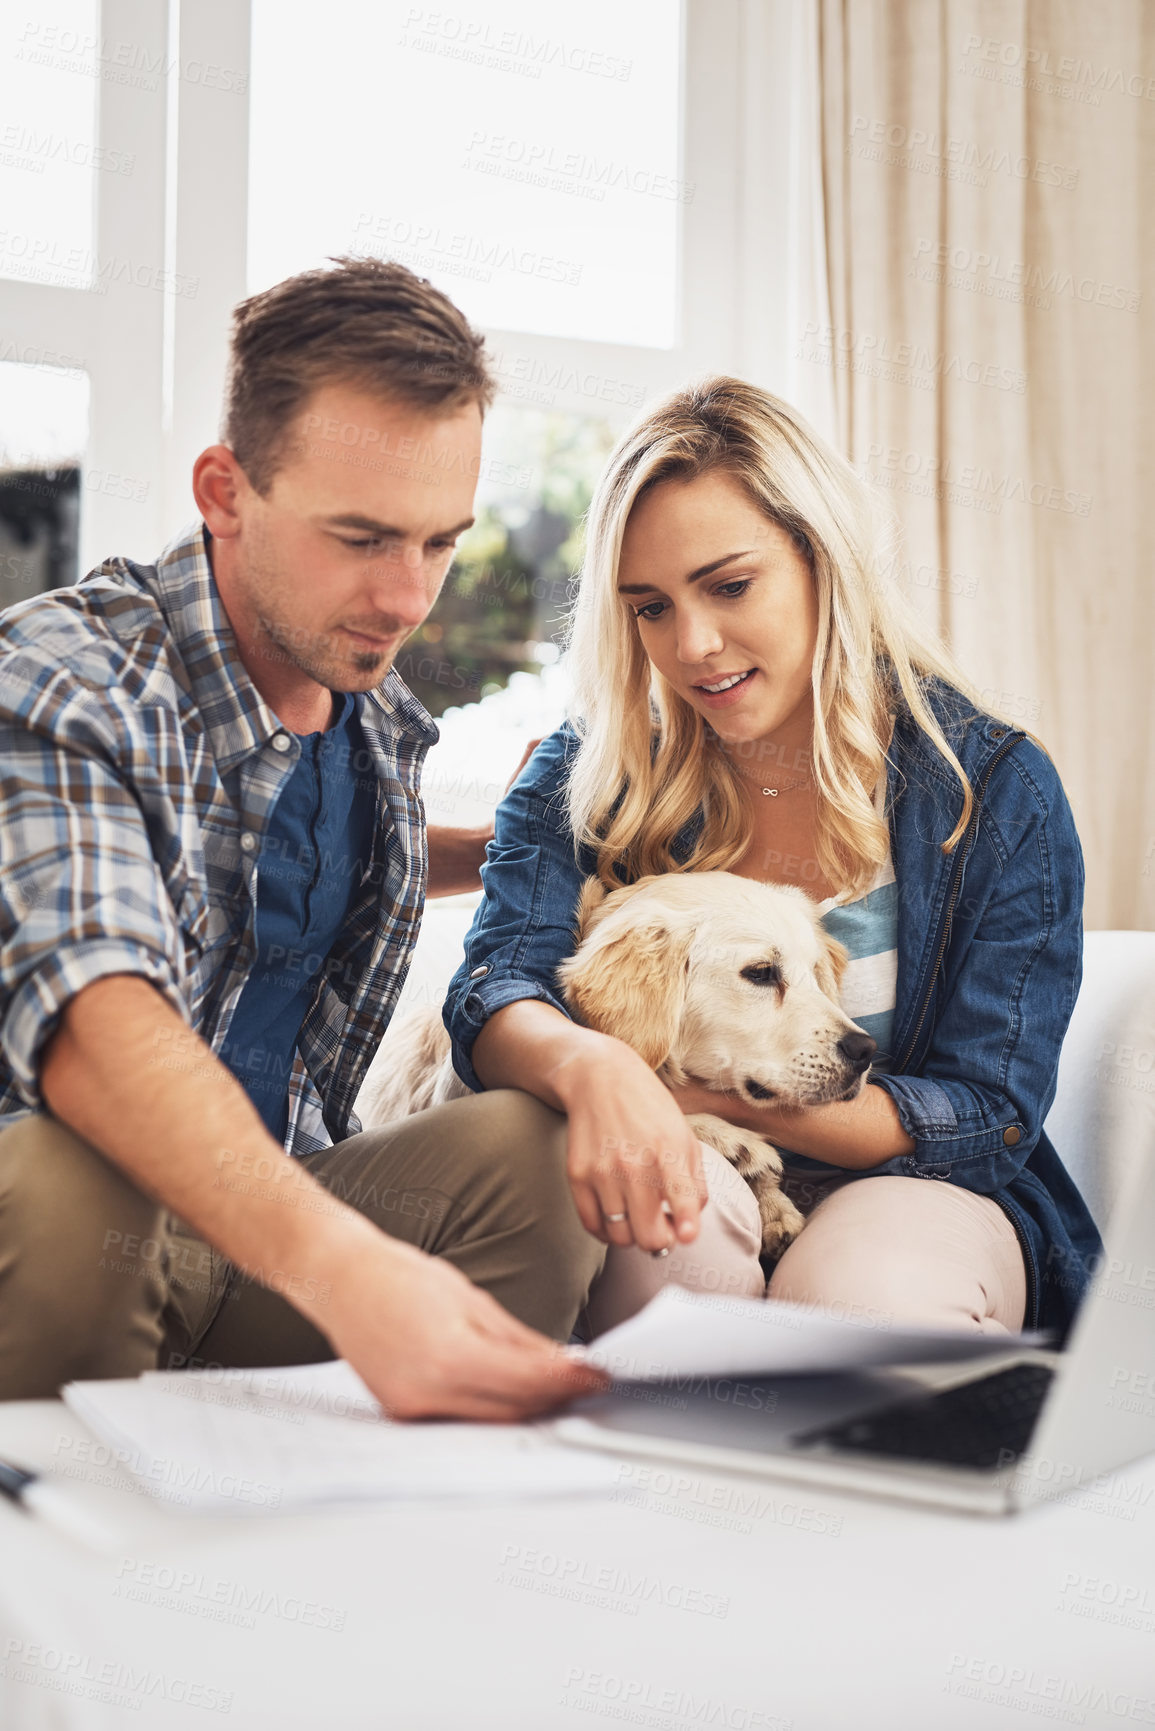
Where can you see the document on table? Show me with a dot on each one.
(276, 1439)
(682, 1333)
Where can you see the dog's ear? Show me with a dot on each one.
(629, 980)
(831, 966)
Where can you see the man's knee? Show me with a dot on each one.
(515, 1150)
(505, 1125)
(520, 1146)
(515, 1132)
(483, 1181)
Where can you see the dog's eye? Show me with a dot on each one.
(765, 974)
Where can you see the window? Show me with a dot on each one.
(524, 158)
(49, 152)
(527, 161)
(603, 189)
(83, 289)
(505, 601)
(43, 437)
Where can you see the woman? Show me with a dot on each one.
(751, 695)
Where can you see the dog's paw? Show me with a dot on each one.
(760, 1164)
(781, 1221)
(748, 1153)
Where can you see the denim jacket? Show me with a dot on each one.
(989, 963)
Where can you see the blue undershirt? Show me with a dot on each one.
(314, 853)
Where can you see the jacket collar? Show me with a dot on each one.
(974, 736)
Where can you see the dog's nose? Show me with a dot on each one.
(858, 1049)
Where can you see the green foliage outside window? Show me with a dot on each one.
(509, 589)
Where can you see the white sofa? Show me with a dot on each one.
(1104, 1106)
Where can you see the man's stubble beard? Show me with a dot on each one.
(316, 653)
(335, 673)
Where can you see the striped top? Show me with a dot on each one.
(140, 770)
(869, 929)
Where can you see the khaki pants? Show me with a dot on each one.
(98, 1280)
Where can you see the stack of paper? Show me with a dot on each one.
(273, 1439)
(270, 1439)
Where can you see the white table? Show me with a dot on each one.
(728, 1602)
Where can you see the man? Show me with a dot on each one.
(212, 871)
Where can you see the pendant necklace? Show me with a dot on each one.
(773, 792)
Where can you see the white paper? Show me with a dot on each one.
(275, 1439)
(333, 1388)
(682, 1333)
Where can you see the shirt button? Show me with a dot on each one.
(281, 742)
(249, 841)
(1011, 1135)
(479, 973)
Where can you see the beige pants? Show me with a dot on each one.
(881, 1250)
(98, 1280)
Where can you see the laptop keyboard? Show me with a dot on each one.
(986, 1423)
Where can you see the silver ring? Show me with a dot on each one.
(664, 1252)
(615, 1219)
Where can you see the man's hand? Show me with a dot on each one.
(429, 1344)
(124, 1071)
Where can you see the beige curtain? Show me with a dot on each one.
(989, 193)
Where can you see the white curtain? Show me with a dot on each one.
(988, 216)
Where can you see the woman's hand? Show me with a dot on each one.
(631, 1152)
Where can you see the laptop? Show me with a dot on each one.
(1024, 1426)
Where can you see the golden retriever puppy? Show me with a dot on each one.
(711, 978)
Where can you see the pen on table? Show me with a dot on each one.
(36, 1497)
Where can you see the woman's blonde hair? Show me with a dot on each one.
(645, 763)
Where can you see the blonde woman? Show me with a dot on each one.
(752, 695)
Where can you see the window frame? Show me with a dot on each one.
(157, 360)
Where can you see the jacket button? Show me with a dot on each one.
(998, 732)
(1011, 1135)
(479, 973)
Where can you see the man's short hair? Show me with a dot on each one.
(365, 322)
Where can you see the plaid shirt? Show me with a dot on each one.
(138, 771)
